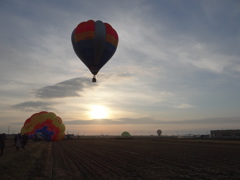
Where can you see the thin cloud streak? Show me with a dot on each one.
(234, 120)
(68, 88)
(34, 106)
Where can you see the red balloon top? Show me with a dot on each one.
(86, 30)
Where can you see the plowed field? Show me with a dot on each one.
(125, 159)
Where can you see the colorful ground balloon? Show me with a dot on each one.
(47, 123)
(94, 43)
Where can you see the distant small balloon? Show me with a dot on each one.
(47, 123)
(159, 132)
(125, 134)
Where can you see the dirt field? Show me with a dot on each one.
(123, 159)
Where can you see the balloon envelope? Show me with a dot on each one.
(94, 43)
(46, 123)
(125, 134)
(159, 132)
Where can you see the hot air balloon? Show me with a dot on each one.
(125, 134)
(45, 123)
(159, 132)
(94, 42)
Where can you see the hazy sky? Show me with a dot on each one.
(176, 68)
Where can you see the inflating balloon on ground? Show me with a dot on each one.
(125, 134)
(94, 43)
(46, 124)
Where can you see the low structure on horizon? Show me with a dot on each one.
(225, 134)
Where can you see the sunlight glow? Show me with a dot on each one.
(99, 112)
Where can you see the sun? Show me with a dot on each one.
(98, 112)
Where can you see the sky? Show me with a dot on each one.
(176, 67)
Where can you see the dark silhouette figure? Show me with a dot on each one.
(24, 140)
(2, 142)
(18, 141)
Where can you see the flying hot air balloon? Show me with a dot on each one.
(159, 132)
(94, 42)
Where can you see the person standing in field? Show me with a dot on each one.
(24, 140)
(18, 141)
(2, 142)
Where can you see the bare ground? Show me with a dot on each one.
(123, 159)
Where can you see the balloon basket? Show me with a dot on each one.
(94, 79)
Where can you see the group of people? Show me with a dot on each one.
(20, 141)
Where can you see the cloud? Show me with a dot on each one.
(68, 88)
(149, 120)
(219, 120)
(110, 121)
(34, 106)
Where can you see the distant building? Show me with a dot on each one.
(225, 134)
